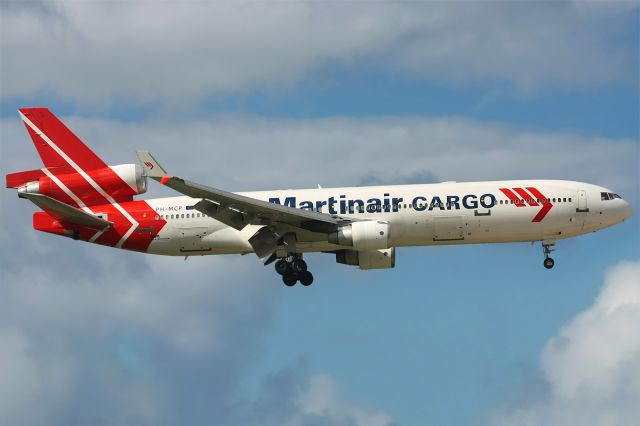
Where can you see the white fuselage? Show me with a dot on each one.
(431, 214)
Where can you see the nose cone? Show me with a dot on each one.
(627, 210)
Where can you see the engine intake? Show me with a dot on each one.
(364, 235)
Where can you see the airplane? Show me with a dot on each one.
(83, 198)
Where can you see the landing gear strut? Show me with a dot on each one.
(293, 269)
(547, 248)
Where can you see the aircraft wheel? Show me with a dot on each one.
(281, 266)
(299, 265)
(306, 278)
(549, 262)
(289, 280)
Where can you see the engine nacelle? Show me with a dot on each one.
(368, 259)
(364, 235)
(121, 182)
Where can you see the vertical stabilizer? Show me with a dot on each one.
(58, 147)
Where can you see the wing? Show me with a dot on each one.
(64, 212)
(239, 211)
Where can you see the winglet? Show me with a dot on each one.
(151, 166)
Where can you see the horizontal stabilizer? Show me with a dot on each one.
(16, 180)
(64, 212)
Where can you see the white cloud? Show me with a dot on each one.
(177, 52)
(94, 335)
(593, 365)
(322, 398)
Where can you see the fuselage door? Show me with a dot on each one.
(582, 202)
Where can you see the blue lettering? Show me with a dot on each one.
(453, 201)
(492, 201)
(420, 204)
(374, 205)
(436, 202)
(289, 201)
(358, 203)
(470, 205)
(331, 203)
(306, 205)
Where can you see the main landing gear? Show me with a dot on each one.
(293, 269)
(547, 248)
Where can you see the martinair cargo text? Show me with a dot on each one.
(83, 198)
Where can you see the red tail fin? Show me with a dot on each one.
(73, 173)
(57, 145)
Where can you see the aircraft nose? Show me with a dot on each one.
(627, 210)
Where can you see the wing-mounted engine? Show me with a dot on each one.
(119, 182)
(363, 235)
(368, 259)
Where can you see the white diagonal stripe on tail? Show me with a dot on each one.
(77, 168)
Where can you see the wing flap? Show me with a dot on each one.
(66, 213)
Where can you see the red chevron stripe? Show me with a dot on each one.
(546, 204)
(526, 197)
(513, 197)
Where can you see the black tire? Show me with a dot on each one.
(289, 279)
(281, 266)
(306, 278)
(549, 262)
(299, 265)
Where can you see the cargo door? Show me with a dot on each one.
(448, 228)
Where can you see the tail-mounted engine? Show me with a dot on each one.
(120, 182)
(368, 259)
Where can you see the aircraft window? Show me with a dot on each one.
(564, 200)
(617, 196)
(569, 199)
(171, 216)
(604, 196)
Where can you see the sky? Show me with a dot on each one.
(266, 95)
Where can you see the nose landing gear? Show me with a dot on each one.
(293, 269)
(547, 248)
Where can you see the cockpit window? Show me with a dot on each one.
(609, 196)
